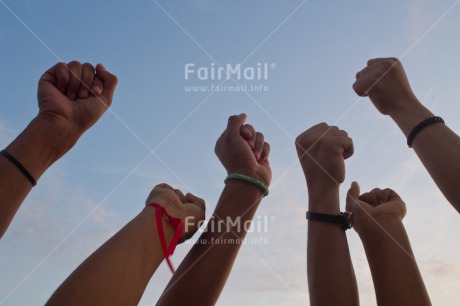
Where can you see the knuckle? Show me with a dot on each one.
(357, 85)
(300, 140)
(369, 62)
(388, 63)
(378, 74)
(375, 190)
(61, 65)
(74, 64)
(88, 66)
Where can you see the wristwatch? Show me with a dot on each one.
(344, 219)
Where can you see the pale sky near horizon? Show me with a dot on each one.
(313, 50)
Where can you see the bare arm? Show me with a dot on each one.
(378, 221)
(396, 276)
(119, 271)
(36, 148)
(322, 152)
(437, 146)
(202, 275)
(331, 278)
(65, 114)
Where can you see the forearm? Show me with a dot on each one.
(119, 271)
(203, 273)
(396, 276)
(36, 148)
(437, 146)
(331, 277)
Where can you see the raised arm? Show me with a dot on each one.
(71, 97)
(437, 146)
(119, 271)
(378, 221)
(201, 276)
(322, 152)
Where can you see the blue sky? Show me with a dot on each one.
(316, 49)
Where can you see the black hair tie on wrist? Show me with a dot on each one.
(420, 127)
(19, 166)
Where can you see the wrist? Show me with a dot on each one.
(61, 135)
(409, 115)
(323, 179)
(242, 187)
(40, 145)
(378, 227)
(148, 214)
(251, 174)
(324, 199)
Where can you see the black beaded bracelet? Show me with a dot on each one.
(19, 166)
(420, 127)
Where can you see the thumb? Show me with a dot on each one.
(352, 196)
(109, 82)
(234, 124)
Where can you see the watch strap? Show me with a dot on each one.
(340, 219)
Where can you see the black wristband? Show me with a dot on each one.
(420, 127)
(19, 166)
(344, 219)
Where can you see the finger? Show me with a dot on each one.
(97, 87)
(265, 152)
(87, 77)
(196, 201)
(347, 146)
(369, 77)
(392, 195)
(234, 124)
(252, 140)
(342, 133)
(382, 197)
(313, 130)
(75, 79)
(164, 185)
(378, 60)
(109, 82)
(245, 132)
(159, 186)
(258, 145)
(352, 196)
(365, 197)
(363, 72)
(180, 195)
(319, 126)
(371, 197)
(61, 72)
(361, 86)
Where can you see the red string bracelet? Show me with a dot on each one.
(178, 226)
